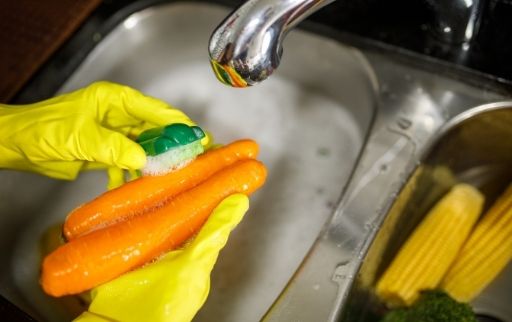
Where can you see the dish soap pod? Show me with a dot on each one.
(170, 147)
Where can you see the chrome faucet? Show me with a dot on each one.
(246, 48)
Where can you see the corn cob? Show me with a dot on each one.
(427, 254)
(486, 252)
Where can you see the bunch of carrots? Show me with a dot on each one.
(136, 223)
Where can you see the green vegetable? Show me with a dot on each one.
(433, 306)
(398, 315)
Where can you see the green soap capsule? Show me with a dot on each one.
(158, 140)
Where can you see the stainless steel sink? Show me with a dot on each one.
(341, 129)
(310, 123)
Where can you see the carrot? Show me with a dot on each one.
(140, 195)
(105, 254)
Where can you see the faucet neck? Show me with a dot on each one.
(246, 47)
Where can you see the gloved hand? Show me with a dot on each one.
(82, 130)
(175, 287)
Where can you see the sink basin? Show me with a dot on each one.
(475, 148)
(310, 119)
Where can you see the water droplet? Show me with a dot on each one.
(368, 225)
(404, 123)
(340, 273)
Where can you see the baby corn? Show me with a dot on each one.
(486, 252)
(427, 254)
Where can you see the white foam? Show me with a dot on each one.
(172, 160)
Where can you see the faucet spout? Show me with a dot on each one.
(246, 47)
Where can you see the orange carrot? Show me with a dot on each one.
(105, 254)
(140, 195)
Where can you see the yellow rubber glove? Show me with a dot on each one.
(85, 129)
(175, 287)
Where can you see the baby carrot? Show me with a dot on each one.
(147, 192)
(104, 254)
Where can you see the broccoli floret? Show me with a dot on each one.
(433, 306)
(397, 315)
